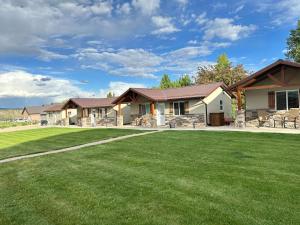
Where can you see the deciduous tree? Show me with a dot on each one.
(293, 44)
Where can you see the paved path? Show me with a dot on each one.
(75, 147)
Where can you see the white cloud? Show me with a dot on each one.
(118, 88)
(182, 2)
(206, 48)
(147, 7)
(201, 19)
(46, 55)
(164, 25)
(30, 26)
(21, 84)
(225, 28)
(192, 42)
(102, 8)
(145, 64)
(282, 12)
(124, 8)
(122, 62)
(239, 8)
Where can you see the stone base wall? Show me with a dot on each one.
(186, 120)
(144, 121)
(86, 122)
(275, 119)
(110, 121)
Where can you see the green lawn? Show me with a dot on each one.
(40, 140)
(180, 178)
(13, 124)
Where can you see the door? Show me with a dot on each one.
(93, 118)
(161, 114)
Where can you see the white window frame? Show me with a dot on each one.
(286, 98)
(178, 108)
(221, 105)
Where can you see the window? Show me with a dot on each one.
(287, 99)
(293, 99)
(144, 109)
(178, 108)
(221, 105)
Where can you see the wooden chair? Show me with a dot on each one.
(263, 117)
(291, 116)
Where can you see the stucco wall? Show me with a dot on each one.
(34, 117)
(213, 103)
(258, 99)
(54, 118)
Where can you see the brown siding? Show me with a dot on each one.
(271, 99)
(171, 108)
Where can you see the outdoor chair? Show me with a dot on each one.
(263, 117)
(291, 116)
(278, 117)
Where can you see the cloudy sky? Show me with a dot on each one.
(52, 50)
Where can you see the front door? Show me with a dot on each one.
(160, 114)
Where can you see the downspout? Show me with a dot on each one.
(205, 112)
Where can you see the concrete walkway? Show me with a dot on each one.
(76, 147)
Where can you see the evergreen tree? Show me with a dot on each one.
(293, 44)
(110, 94)
(165, 82)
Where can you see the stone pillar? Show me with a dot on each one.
(120, 121)
(119, 116)
(240, 120)
(239, 99)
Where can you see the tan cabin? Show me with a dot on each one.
(272, 92)
(185, 106)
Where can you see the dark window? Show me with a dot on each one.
(178, 108)
(281, 100)
(142, 109)
(293, 99)
(221, 105)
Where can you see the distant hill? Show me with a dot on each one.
(10, 114)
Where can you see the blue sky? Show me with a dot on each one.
(53, 50)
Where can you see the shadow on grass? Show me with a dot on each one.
(60, 141)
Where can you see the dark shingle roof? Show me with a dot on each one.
(195, 91)
(55, 107)
(92, 102)
(35, 109)
(264, 70)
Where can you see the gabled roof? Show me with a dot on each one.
(91, 102)
(270, 67)
(35, 109)
(195, 91)
(55, 107)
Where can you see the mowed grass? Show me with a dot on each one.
(186, 178)
(13, 124)
(44, 139)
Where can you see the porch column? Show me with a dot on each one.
(119, 110)
(152, 111)
(239, 99)
(119, 116)
(67, 121)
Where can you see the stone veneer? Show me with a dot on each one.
(186, 120)
(180, 121)
(252, 120)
